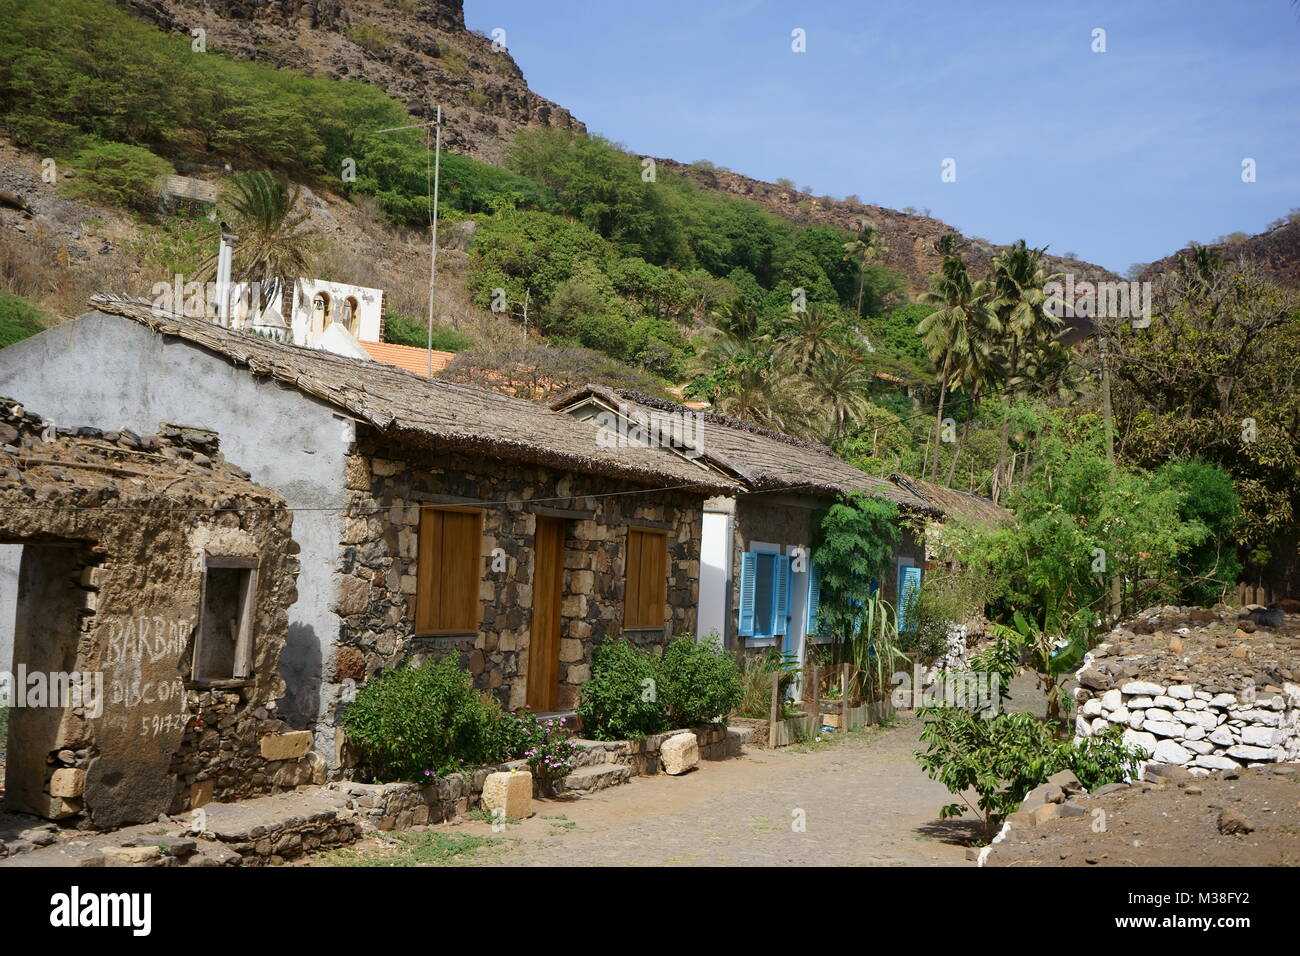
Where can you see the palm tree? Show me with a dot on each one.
(751, 382)
(955, 334)
(842, 386)
(977, 370)
(1021, 304)
(737, 317)
(273, 245)
(862, 249)
(810, 337)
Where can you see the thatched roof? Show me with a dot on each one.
(429, 412)
(763, 459)
(958, 504)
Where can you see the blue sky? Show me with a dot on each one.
(1121, 157)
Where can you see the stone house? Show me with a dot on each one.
(432, 517)
(759, 586)
(150, 611)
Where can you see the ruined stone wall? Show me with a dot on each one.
(386, 483)
(139, 510)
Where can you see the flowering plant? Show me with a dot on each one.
(550, 754)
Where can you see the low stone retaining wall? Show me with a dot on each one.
(716, 742)
(1202, 688)
(1186, 725)
(600, 764)
(757, 727)
(268, 831)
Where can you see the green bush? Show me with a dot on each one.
(632, 692)
(414, 721)
(18, 319)
(1103, 758)
(118, 175)
(401, 330)
(699, 683)
(374, 40)
(543, 742)
(621, 699)
(1210, 498)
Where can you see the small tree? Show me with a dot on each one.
(276, 243)
(1001, 759)
(858, 534)
(118, 175)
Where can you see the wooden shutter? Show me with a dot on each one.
(780, 594)
(748, 582)
(646, 594)
(448, 571)
(814, 596)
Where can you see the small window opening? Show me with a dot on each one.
(224, 649)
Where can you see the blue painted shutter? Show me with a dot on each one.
(814, 596)
(780, 594)
(748, 578)
(909, 583)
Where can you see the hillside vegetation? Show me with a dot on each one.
(586, 263)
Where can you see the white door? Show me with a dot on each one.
(715, 576)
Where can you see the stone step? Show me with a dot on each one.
(595, 777)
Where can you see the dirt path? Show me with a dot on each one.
(863, 800)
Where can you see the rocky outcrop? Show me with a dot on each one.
(420, 53)
(910, 238)
(1276, 252)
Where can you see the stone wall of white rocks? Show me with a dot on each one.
(1182, 724)
(955, 657)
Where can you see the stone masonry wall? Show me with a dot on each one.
(1183, 724)
(1201, 688)
(387, 483)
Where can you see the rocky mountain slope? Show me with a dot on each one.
(418, 51)
(1276, 251)
(909, 238)
(421, 52)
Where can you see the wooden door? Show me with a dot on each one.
(548, 587)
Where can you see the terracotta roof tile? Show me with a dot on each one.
(404, 356)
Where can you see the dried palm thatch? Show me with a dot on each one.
(430, 412)
(763, 459)
(973, 509)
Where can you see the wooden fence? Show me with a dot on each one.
(843, 713)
